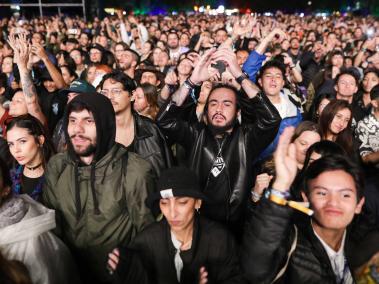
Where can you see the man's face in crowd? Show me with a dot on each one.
(103, 41)
(36, 38)
(222, 109)
(126, 60)
(18, 106)
(173, 41)
(272, 81)
(221, 36)
(120, 98)
(295, 44)
(150, 77)
(346, 87)
(333, 197)
(337, 60)
(95, 55)
(252, 45)
(49, 86)
(184, 40)
(242, 55)
(70, 46)
(118, 51)
(82, 132)
(370, 81)
(77, 57)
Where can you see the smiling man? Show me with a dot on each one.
(97, 187)
(313, 249)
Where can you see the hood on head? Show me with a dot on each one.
(104, 116)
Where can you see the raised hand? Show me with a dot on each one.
(38, 50)
(171, 78)
(285, 161)
(200, 72)
(262, 181)
(229, 57)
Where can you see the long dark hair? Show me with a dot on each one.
(312, 113)
(36, 129)
(345, 137)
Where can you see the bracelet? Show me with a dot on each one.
(291, 67)
(255, 196)
(192, 84)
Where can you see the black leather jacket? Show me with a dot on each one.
(150, 143)
(241, 147)
(267, 239)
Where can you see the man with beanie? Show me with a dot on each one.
(97, 188)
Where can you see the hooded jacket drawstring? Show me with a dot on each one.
(92, 181)
(78, 204)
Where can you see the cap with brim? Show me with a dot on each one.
(177, 182)
(79, 86)
(160, 75)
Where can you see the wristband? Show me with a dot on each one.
(241, 78)
(192, 84)
(291, 67)
(255, 196)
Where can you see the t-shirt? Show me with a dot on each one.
(217, 189)
(53, 106)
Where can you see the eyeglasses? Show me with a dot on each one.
(114, 92)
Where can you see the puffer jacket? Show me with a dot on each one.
(150, 144)
(242, 146)
(269, 234)
(122, 181)
(212, 247)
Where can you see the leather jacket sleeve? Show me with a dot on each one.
(174, 127)
(266, 241)
(266, 124)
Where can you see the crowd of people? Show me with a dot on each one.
(190, 148)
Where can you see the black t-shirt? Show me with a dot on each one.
(218, 189)
(53, 105)
(29, 184)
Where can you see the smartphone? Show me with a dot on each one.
(220, 66)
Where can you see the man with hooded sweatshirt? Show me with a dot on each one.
(97, 187)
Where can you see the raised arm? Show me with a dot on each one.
(21, 49)
(57, 77)
(268, 232)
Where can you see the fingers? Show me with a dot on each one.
(113, 259)
(203, 276)
(283, 145)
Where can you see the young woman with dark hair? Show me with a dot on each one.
(335, 124)
(31, 148)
